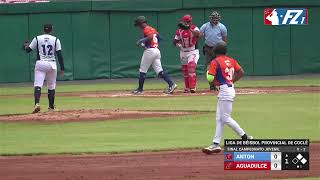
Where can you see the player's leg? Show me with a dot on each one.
(162, 74)
(215, 146)
(226, 107)
(51, 83)
(184, 69)
(186, 78)
(145, 64)
(39, 77)
(192, 71)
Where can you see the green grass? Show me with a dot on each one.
(159, 84)
(263, 116)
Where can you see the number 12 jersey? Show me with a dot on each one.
(46, 46)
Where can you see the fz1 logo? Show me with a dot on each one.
(281, 16)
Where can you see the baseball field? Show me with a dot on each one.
(101, 131)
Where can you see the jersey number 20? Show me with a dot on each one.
(47, 50)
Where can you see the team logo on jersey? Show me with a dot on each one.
(283, 16)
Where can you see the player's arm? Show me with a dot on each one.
(176, 40)
(202, 31)
(238, 75)
(211, 73)
(145, 39)
(60, 56)
(239, 72)
(224, 33)
(196, 32)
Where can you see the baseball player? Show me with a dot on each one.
(223, 72)
(151, 55)
(47, 47)
(186, 40)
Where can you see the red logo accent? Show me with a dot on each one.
(229, 156)
(228, 165)
(267, 12)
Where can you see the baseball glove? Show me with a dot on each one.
(183, 25)
(25, 45)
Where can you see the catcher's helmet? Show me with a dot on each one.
(139, 20)
(215, 15)
(186, 18)
(221, 48)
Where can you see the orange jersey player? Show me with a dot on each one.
(223, 68)
(154, 42)
(186, 39)
(223, 72)
(151, 56)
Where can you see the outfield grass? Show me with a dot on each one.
(263, 116)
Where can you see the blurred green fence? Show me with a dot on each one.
(98, 37)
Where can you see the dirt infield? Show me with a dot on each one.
(179, 92)
(89, 115)
(171, 165)
(158, 93)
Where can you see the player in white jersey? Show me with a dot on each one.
(47, 47)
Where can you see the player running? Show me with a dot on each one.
(223, 72)
(151, 55)
(47, 47)
(186, 39)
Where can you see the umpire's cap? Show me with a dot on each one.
(139, 20)
(221, 48)
(47, 28)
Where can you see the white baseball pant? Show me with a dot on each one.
(186, 57)
(151, 56)
(45, 70)
(223, 114)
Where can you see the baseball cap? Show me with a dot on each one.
(139, 20)
(47, 27)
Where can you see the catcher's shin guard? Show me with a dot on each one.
(185, 76)
(192, 68)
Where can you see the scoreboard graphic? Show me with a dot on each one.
(266, 154)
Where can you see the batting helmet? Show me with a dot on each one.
(186, 18)
(139, 20)
(215, 15)
(221, 48)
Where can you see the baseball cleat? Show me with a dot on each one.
(36, 109)
(50, 109)
(137, 92)
(186, 90)
(212, 149)
(171, 89)
(192, 91)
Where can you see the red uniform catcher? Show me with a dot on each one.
(186, 39)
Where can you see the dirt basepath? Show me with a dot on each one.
(89, 115)
(172, 165)
(158, 93)
(179, 92)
